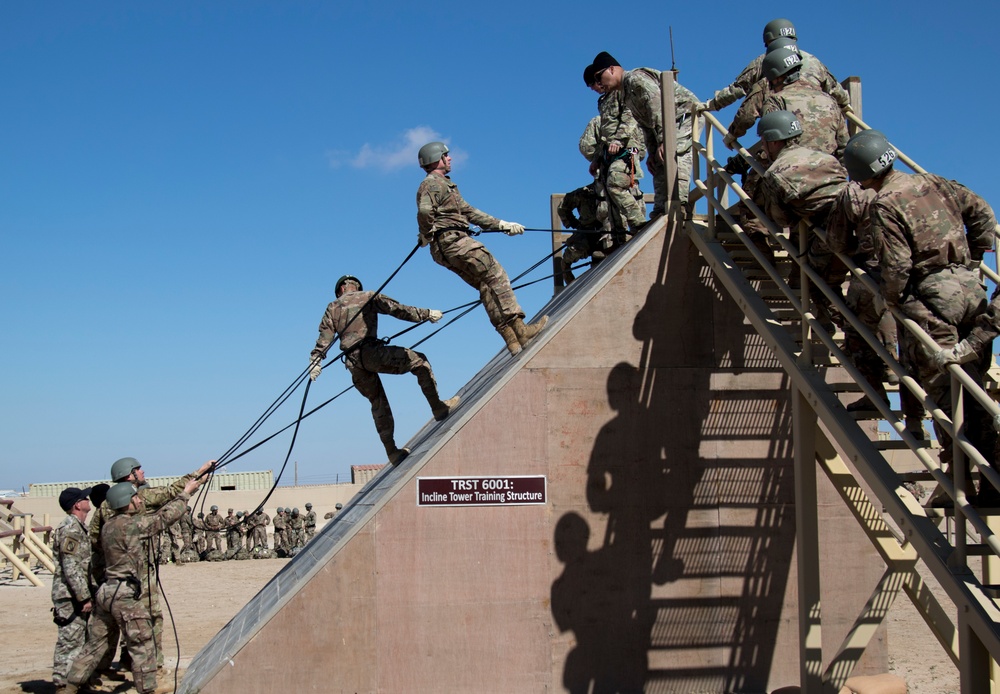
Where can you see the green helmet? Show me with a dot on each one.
(214, 509)
(783, 42)
(201, 514)
(347, 278)
(122, 468)
(239, 514)
(867, 155)
(120, 495)
(778, 125)
(431, 153)
(295, 512)
(777, 28)
(308, 506)
(779, 63)
(280, 510)
(339, 506)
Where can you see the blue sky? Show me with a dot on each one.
(183, 182)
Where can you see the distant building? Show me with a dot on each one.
(221, 482)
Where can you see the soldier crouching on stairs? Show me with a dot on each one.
(353, 317)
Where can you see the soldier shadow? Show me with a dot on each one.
(684, 591)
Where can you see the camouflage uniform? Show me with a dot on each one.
(621, 208)
(233, 539)
(153, 498)
(280, 528)
(261, 521)
(309, 525)
(928, 232)
(582, 244)
(641, 96)
(366, 356)
(125, 541)
(213, 530)
(443, 218)
(295, 531)
(823, 125)
(70, 592)
(813, 71)
(186, 524)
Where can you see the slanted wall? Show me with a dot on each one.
(663, 560)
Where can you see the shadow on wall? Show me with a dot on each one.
(684, 591)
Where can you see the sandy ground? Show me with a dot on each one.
(205, 596)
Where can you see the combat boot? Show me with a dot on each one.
(510, 337)
(525, 333)
(396, 456)
(443, 408)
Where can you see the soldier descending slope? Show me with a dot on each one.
(443, 217)
(353, 317)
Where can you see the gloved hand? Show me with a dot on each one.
(702, 106)
(315, 368)
(511, 228)
(730, 141)
(961, 353)
(878, 301)
(435, 315)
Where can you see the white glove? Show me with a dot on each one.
(511, 228)
(434, 315)
(315, 368)
(961, 353)
(730, 141)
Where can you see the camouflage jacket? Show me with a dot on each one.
(848, 229)
(213, 521)
(440, 206)
(584, 200)
(922, 224)
(124, 538)
(295, 522)
(309, 521)
(279, 521)
(338, 320)
(641, 96)
(614, 124)
(823, 125)
(801, 183)
(71, 555)
(813, 70)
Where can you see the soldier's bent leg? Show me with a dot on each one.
(370, 385)
(477, 267)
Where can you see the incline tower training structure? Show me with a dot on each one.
(662, 492)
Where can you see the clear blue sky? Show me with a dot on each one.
(183, 182)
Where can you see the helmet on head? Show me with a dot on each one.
(778, 125)
(339, 506)
(122, 468)
(308, 506)
(346, 278)
(779, 63)
(280, 510)
(867, 155)
(239, 514)
(201, 514)
(120, 495)
(431, 153)
(214, 508)
(295, 511)
(783, 42)
(230, 510)
(777, 28)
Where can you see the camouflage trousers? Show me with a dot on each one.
(214, 539)
(621, 204)
(659, 172)
(987, 325)
(367, 360)
(477, 267)
(946, 305)
(259, 536)
(70, 638)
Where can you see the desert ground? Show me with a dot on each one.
(203, 597)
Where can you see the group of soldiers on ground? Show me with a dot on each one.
(237, 535)
(926, 265)
(104, 589)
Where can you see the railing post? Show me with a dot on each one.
(806, 353)
(807, 544)
(669, 139)
(958, 561)
(558, 238)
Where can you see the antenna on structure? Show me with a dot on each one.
(673, 63)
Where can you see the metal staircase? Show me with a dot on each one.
(958, 547)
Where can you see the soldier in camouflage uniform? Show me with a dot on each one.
(261, 521)
(125, 540)
(213, 529)
(640, 90)
(353, 318)
(614, 145)
(777, 33)
(443, 218)
(309, 523)
(280, 529)
(588, 242)
(130, 470)
(295, 536)
(931, 235)
(71, 598)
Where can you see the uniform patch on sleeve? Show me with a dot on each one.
(70, 545)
